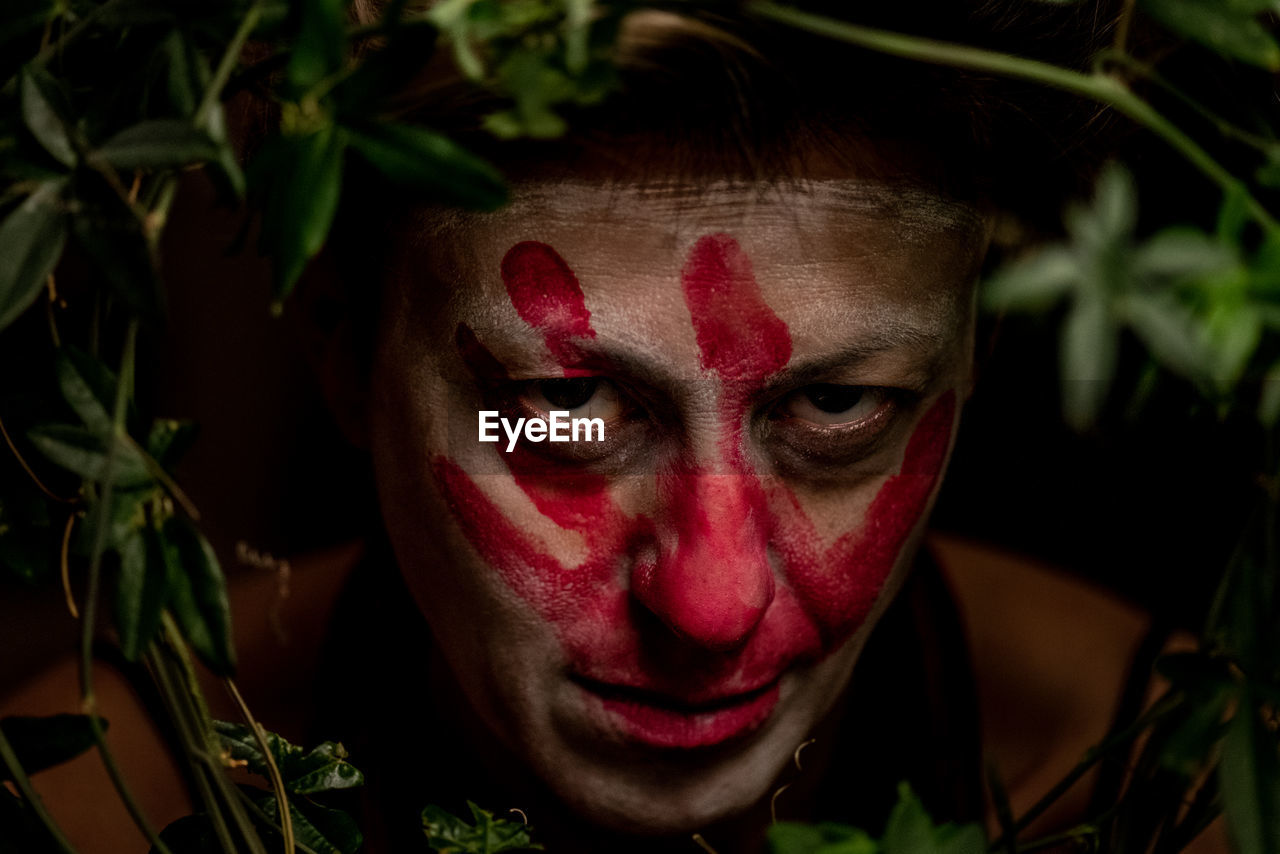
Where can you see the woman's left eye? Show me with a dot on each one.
(581, 397)
(830, 405)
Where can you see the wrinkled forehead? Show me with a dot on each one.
(805, 211)
(817, 249)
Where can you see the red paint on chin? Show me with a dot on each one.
(736, 585)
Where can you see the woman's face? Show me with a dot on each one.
(655, 621)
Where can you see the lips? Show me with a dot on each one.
(662, 720)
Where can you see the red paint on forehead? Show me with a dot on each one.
(739, 336)
(546, 294)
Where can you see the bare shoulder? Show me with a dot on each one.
(1051, 655)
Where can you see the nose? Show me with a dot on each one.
(710, 580)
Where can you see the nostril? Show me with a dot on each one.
(712, 603)
(708, 576)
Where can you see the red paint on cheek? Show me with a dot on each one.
(839, 585)
(546, 294)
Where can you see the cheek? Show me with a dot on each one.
(838, 584)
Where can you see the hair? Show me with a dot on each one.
(706, 92)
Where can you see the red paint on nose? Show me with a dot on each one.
(711, 581)
(546, 294)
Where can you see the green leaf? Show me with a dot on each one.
(1229, 29)
(319, 51)
(88, 386)
(42, 743)
(1169, 330)
(198, 594)
(827, 838)
(84, 452)
(127, 517)
(159, 143)
(1234, 334)
(44, 108)
(1179, 253)
(170, 439)
(448, 834)
(31, 241)
(322, 769)
(301, 178)
(1033, 284)
(1089, 345)
(323, 830)
(422, 161)
(1113, 214)
(1250, 781)
(141, 592)
(911, 831)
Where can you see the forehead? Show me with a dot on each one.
(825, 254)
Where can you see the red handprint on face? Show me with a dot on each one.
(732, 565)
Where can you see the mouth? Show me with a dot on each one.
(656, 719)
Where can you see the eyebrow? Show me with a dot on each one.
(926, 350)
(638, 363)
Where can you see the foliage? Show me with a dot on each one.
(909, 831)
(105, 103)
(448, 834)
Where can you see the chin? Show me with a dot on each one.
(641, 790)
(655, 800)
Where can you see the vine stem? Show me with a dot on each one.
(1094, 755)
(277, 781)
(1094, 86)
(190, 695)
(194, 751)
(46, 53)
(212, 93)
(23, 782)
(102, 518)
(22, 461)
(64, 567)
(1223, 126)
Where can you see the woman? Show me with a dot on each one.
(755, 266)
(759, 276)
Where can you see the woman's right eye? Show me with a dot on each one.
(581, 397)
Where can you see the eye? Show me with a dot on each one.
(821, 431)
(581, 397)
(829, 405)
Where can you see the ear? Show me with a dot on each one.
(331, 329)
